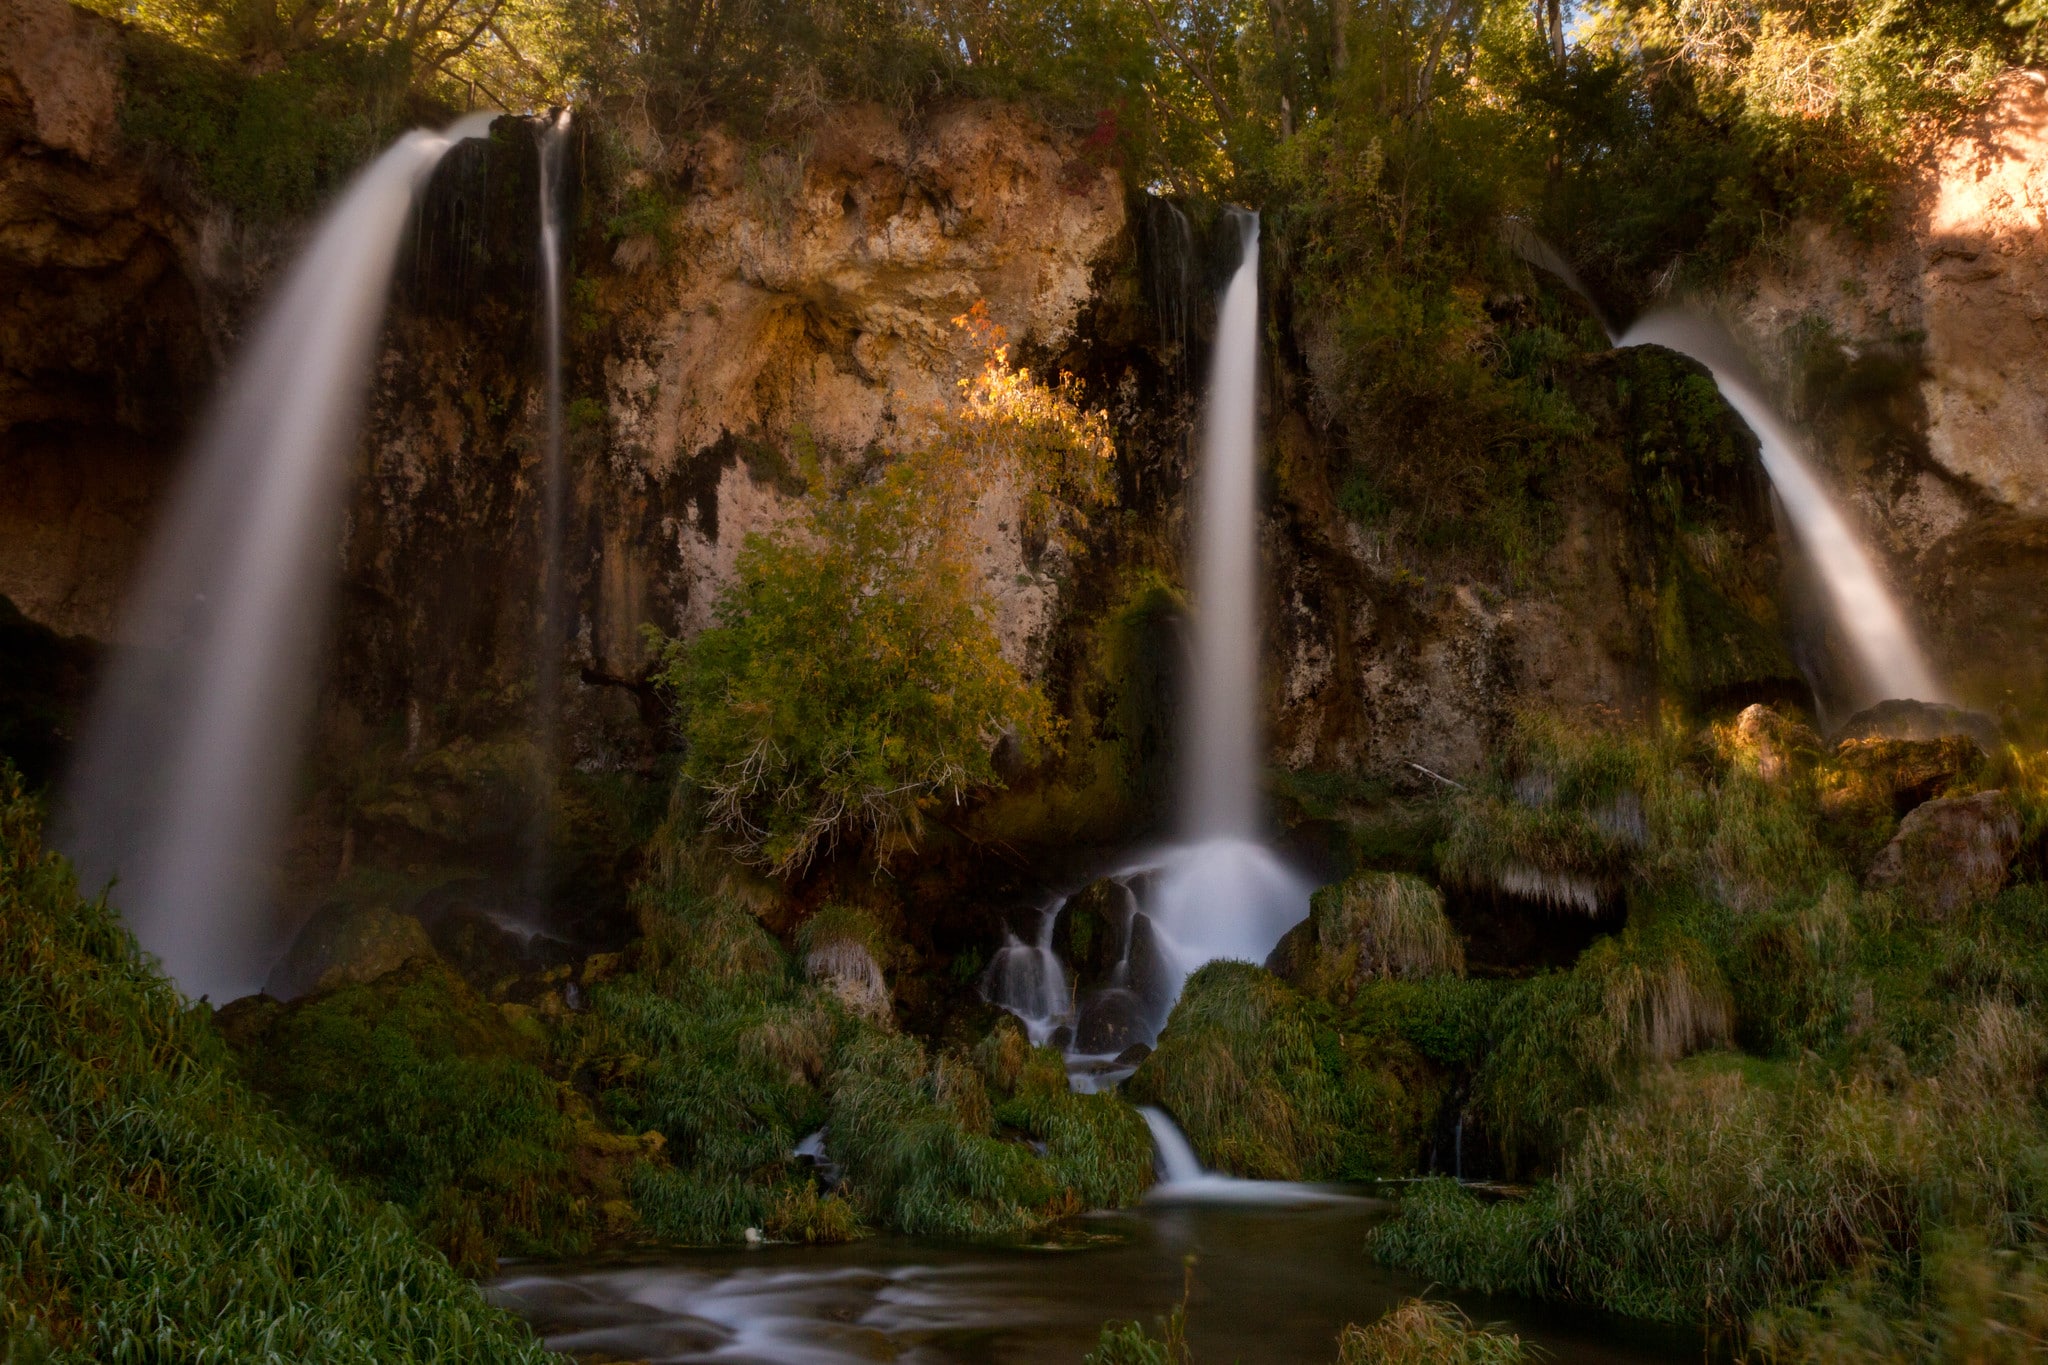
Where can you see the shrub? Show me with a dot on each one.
(854, 678)
(147, 1202)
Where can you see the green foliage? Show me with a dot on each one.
(270, 145)
(1882, 1182)
(149, 1207)
(432, 1098)
(855, 679)
(1265, 1085)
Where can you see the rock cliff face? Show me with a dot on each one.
(758, 310)
(1918, 363)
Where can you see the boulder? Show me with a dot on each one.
(1919, 720)
(1111, 1021)
(1950, 852)
(1873, 778)
(346, 945)
(1777, 745)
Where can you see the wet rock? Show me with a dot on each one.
(1133, 1055)
(1950, 853)
(476, 932)
(346, 946)
(1111, 1021)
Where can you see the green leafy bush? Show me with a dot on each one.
(855, 679)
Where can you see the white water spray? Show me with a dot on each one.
(1888, 661)
(184, 773)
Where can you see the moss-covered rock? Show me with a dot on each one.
(1266, 1086)
(437, 1100)
(346, 945)
(1373, 926)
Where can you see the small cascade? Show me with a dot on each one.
(1183, 1179)
(184, 772)
(1888, 662)
(1028, 980)
(553, 140)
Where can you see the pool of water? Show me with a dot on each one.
(1269, 1285)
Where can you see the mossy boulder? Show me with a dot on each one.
(1372, 926)
(346, 945)
(1266, 1085)
(1950, 853)
(437, 1100)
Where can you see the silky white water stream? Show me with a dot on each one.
(184, 771)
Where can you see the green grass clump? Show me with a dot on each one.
(150, 1208)
(1427, 1332)
(1372, 926)
(1096, 1145)
(712, 1042)
(1266, 1085)
(433, 1097)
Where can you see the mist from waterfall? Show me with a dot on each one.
(1887, 659)
(553, 141)
(182, 782)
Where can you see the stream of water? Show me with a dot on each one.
(184, 770)
(1271, 1285)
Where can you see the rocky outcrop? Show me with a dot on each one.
(100, 342)
(1915, 360)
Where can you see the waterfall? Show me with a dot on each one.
(1222, 893)
(184, 772)
(1887, 662)
(1184, 1179)
(1027, 980)
(1887, 659)
(1221, 770)
(553, 140)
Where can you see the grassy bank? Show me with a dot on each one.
(1792, 1093)
(151, 1208)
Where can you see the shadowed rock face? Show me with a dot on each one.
(1950, 853)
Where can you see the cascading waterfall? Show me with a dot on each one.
(553, 141)
(183, 774)
(1888, 662)
(1222, 893)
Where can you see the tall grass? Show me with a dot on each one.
(149, 1208)
(1266, 1084)
(1872, 1176)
